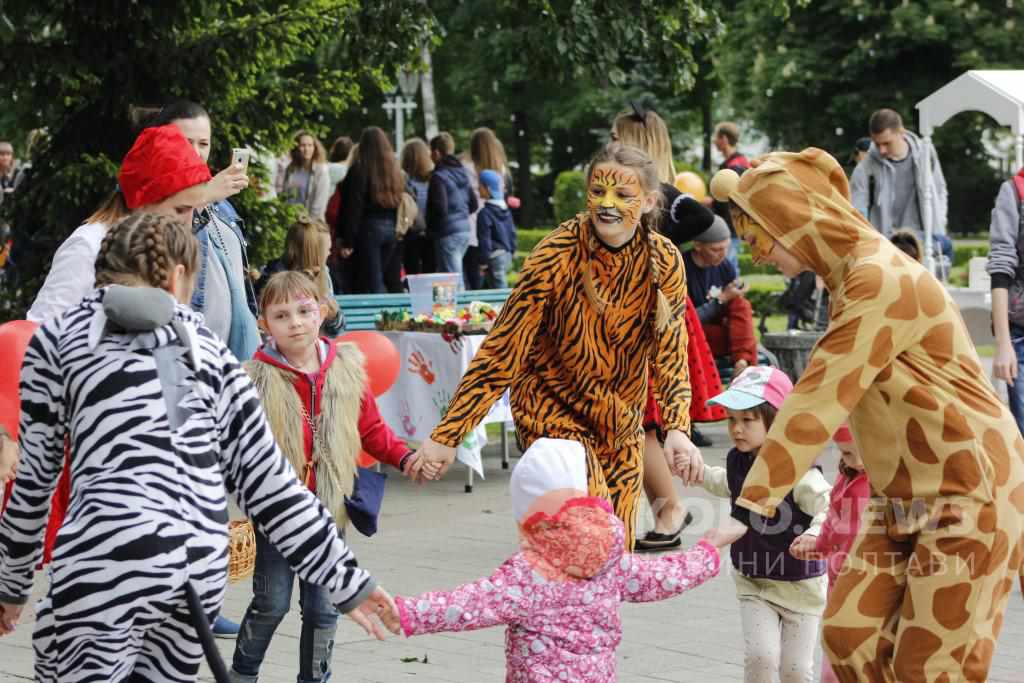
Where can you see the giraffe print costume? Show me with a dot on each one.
(579, 373)
(923, 591)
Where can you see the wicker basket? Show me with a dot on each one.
(241, 549)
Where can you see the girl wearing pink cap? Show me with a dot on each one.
(781, 596)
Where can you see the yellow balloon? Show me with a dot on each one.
(691, 183)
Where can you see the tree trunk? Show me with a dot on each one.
(429, 101)
(705, 111)
(524, 180)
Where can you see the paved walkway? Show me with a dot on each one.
(436, 536)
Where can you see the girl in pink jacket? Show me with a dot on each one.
(850, 495)
(559, 596)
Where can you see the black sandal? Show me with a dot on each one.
(654, 541)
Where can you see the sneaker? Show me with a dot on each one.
(699, 440)
(224, 628)
(656, 542)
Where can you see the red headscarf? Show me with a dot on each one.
(160, 163)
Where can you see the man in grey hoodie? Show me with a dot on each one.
(888, 185)
(1006, 268)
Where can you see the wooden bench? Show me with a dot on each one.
(361, 309)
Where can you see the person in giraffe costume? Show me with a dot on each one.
(922, 594)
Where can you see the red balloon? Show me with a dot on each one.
(382, 360)
(14, 338)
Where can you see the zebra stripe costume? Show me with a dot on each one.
(147, 510)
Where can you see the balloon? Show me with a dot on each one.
(365, 459)
(691, 183)
(14, 338)
(382, 360)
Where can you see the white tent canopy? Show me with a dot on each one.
(1000, 94)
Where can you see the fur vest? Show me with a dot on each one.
(336, 441)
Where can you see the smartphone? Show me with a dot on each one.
(240, 157)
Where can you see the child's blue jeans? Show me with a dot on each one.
(272, 584)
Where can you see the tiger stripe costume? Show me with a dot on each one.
(580, 374)
(147, 510)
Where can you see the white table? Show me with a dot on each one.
(430, 373)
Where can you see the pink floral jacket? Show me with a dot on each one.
(560, 596)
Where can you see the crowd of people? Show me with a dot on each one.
(165, 376)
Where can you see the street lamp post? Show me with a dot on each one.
(401, 100)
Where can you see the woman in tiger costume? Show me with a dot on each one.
(599, 302)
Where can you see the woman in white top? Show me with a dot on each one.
(306, 181)
(72, 273)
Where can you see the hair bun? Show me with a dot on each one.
(724, 183)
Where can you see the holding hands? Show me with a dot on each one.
(731, 531)
(804, 547)
(431, 461)
(684, 459)
(377, 610)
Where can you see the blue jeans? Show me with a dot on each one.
(450, 250)
(272, 584)
(497, 269)
(1015, 391)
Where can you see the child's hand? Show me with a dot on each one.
(8, 459)
(684, 459)
(432, 461)
(731, 531)
(804, 547)
(9, 616)
(381, 606)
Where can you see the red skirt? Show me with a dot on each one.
(704, 380)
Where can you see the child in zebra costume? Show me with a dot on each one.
(321, 412)
(161, 418)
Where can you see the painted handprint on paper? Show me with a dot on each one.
(408, 424)
(418, 365)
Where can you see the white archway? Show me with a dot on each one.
(1000, 94)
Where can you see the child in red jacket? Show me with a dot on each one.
(850, 495)
(321, 411)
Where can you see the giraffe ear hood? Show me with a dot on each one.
(802, 199)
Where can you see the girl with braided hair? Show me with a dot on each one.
(599, 304)
(161, 418)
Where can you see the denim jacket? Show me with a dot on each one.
(228, 216)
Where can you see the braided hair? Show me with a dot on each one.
(635, 159)
(143, 249)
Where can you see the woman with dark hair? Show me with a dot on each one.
(306, 181)
(370, 195)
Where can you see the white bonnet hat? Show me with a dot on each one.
(547, 465)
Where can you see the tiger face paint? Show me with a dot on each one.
(615, 199)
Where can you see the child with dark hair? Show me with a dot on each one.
(781, 597)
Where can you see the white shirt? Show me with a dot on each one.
(72, 274)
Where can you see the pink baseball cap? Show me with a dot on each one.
(754, 386)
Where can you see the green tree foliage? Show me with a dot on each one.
(570, 195)
(549, 75)
(262, 68)
(814, 77)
